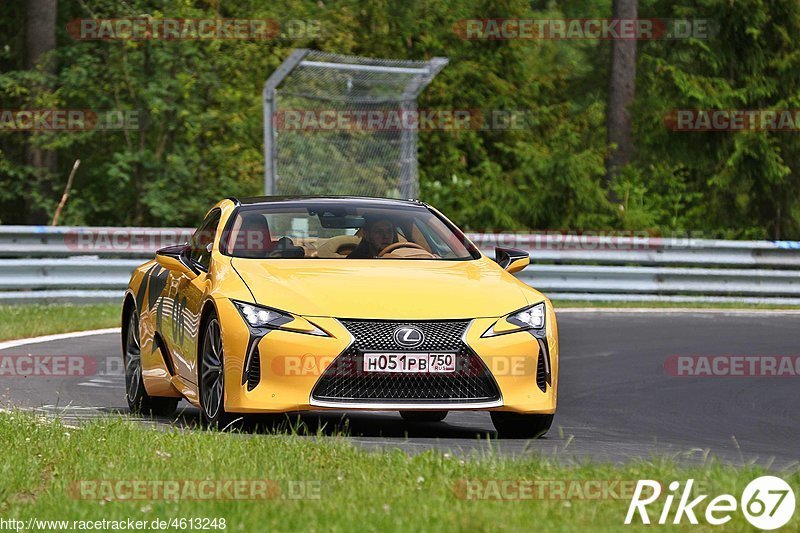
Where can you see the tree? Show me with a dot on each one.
(40, 40)
(621, 92)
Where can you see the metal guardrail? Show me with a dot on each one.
(657, 280)
(645, 250)
(63, 241)
(70, 273)
(39, 263)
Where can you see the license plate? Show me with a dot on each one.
(424, 363)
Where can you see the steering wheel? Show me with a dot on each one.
(394, 246)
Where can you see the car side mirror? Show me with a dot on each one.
(511, 259)
(176, 258)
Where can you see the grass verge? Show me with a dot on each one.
(21, 321)
(322, 483)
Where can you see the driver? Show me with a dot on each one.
(377, 234)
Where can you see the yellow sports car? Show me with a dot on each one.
(286, 304)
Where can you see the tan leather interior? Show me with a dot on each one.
(417, 237)
(410, 253)
(332, 248)
(405, 250)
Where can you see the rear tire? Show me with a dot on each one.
(139, 402)
(423, 416)
(521, 426)
(211, 377)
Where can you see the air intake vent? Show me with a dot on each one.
(543, 366)
(254, 371)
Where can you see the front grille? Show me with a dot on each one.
(377, 336)
(346, 381)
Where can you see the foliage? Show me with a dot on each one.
(199, 133)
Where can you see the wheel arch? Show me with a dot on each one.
(128, 306)
(209, 309)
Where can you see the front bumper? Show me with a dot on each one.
(290, 366)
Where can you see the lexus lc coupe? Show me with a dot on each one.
(290, 304)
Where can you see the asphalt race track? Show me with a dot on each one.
(616, 399)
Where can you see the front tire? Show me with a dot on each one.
(139, 402)
(423, 416)
(521, 426)
(212, 377)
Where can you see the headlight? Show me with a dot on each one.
(530, 318)
(260, 317)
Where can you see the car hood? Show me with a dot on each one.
(383, 289)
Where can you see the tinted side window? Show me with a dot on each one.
(203, 237)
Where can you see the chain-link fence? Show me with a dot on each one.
(338, 124)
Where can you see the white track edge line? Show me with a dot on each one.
(57, 337)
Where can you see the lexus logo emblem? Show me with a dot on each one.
(408, 336)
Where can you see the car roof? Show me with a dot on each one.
(347, 200)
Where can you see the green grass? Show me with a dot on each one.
(21, 321)
(372, 491)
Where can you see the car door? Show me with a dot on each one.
(184, 295)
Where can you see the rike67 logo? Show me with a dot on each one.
(768, 502)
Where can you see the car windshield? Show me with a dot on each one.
(340, 230)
